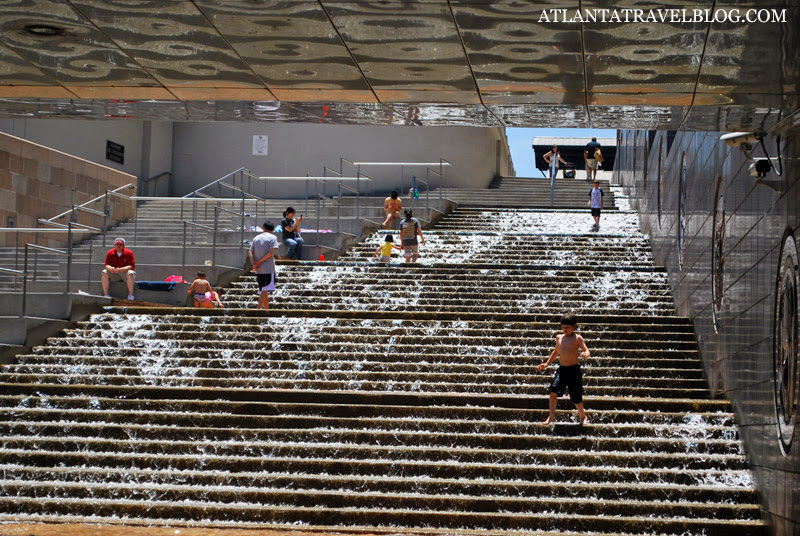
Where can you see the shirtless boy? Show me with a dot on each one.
(568, 374)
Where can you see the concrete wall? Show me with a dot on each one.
(731, 295)
(36, 181)
(84, 139)
(204, 152)
(197, 153)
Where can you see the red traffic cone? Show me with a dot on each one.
(322, 257)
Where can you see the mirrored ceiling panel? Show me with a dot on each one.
(733, 118)
(638, 117)
(744, 59)
(60, 42)
(17, 71)
(444, 114)
(288, 44)
(244, 111)
(172, 40)
(404, 45)
(351, 113)
(541, 115)
(637, 58)
(515, 53)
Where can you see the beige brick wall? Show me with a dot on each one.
(38, 182)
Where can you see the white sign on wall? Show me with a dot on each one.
(260, 145)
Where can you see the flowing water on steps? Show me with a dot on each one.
(389, 397)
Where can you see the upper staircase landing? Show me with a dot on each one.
(520, 192)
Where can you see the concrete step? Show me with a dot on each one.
(402, 396)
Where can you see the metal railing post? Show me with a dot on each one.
(135, 221)
(241, 227)
(194, 217)
(89, 273)
(69, 256)
(316, 194)
(105, 218)
(24, 283)
(214, 238)
(427, 191)
(358, 197)
(183, 256)
(306, 211)
(16, 252)
(36, 252)
(339, 207)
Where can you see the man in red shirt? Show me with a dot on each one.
(120, 265)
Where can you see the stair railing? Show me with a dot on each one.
(24, 271)
(227, 181)
(442, 164)
(317, 180)
(156, 178)
(69, 261)
(105, 212)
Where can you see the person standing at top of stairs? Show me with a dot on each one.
(552, 157)
(120, 264)
(568, 374)
(591, 161)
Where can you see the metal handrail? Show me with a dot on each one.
(64, 226)
(24, 271)
(240, 170)
(441, 163)
(183, 255)
(98, 198)
(428, 171)
(89, 210)
(155, 178)
(403, 163)
(248, 194)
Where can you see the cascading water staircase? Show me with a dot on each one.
(389, 399)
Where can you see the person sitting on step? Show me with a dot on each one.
(291, 234)
(392, 206)
(202, 291)
(568, 374)
(120, 265)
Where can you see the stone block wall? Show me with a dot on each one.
(722, 237)
(39, 182)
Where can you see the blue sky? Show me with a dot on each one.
(519, 141)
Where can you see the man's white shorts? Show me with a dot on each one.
(121, 276)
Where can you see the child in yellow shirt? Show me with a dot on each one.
(386, 249)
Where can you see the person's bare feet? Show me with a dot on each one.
(550, 419)
(584, 421)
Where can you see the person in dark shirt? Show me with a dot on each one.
(591, 161)
(291, 234)
(120, 265)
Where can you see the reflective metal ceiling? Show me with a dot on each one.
(424, 62)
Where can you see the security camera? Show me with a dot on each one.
(759, 168)
(741, 139)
